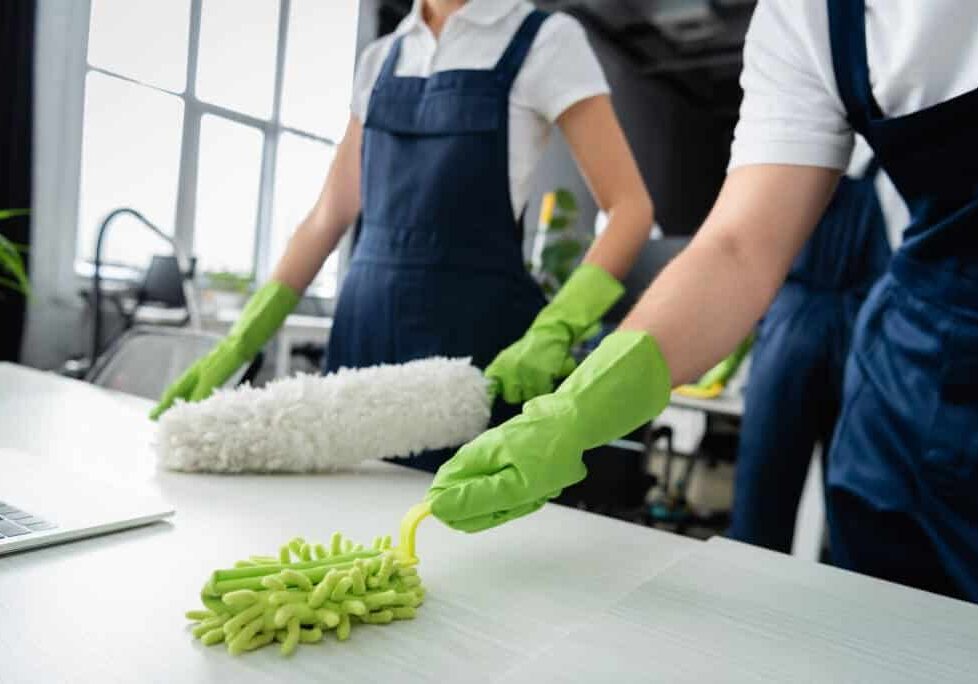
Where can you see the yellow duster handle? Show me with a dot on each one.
(409, 526)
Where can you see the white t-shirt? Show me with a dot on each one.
(560, 70)
(920, 53)
(896, 215)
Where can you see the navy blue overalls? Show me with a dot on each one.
(437, 269)
(795, 385)
(903, 469)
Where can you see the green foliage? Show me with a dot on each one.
(559, 258)
(563, 247)
(566, 201)
(11, 259)
(230, 282)
(558, 223)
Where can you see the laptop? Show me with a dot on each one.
(41, 505)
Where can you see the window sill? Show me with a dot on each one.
(122, 280)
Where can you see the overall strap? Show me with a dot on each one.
(390, 64)
(509, 64)
(847, 34)
(872, 168)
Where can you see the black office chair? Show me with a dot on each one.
(651, 260)
(145, 360)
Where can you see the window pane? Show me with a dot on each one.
(302, 165)
(319, 58)
(130, 158)
(236, 65)
(143, 39)
(227, 196)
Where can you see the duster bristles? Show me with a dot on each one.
(311, 423)
(296, 601)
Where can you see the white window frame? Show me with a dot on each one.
(60, 119)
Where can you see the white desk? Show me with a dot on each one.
(494, 598)
(727, 404)
(810, 523)
(559, 595)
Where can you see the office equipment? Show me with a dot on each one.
(49, 505)
(185, 268)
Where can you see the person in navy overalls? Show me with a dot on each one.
(902, 482)
(903, 469)
(794, 388)
(438, 264)
(437, 268)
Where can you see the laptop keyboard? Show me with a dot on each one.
(15, 523)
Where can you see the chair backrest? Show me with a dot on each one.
(651, 260)
(163, 283)
(147, 359)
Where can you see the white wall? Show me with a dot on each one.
(56, 326)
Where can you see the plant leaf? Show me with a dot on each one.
(558, 222)
(566, 200)
(230, 281)
(558, 259)
(11, 213)
(11, 261)
(12, 285)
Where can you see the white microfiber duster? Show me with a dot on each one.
(312, 423)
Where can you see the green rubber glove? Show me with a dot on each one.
(530, 366)
(723, 371)
(514, 469)
(715, 380)
(261, 318)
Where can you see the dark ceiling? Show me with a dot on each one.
(664, 36)
(694, 44)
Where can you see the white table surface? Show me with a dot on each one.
(562, 595)
(731, 612)
(111, 609)
(728, 403)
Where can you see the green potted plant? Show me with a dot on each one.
(13, 272)
(226, 290)
(557, 248)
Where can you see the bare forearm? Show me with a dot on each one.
(605, 160)
(713, 293)
(306, 252)
(701, 306)
(628, 228)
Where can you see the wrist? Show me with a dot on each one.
(621, 385)
(586, 296)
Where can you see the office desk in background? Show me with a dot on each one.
(729, 403)
(810, 522)
(562, 595)
(297, 329)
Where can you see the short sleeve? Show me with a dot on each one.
(791, 112)
(365, 75)
(560, 70)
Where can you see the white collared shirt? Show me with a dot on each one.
(920, 53)
(560, 70)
